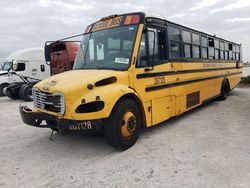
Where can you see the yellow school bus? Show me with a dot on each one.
(134, 71)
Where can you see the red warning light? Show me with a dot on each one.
(135, 19)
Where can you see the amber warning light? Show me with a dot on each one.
(132, 19)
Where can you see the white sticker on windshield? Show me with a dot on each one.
(121, 60)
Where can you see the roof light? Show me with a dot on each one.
(135, 19)
(127, 20)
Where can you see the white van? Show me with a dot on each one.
(20, 71)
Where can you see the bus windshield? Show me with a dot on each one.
(5, 66)
(107, 49)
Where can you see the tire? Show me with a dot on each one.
(12, 91)
(26, 92)
(224, 90)
(2, 86)
(123, 127)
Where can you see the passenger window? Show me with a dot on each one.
(204, 41)
(222, 54)
(174, 44)
(204, 53)
(20, 67)
(211, 52)
(196, 39)
(186, 36)
(217, 54)
(174, 33)
(226, 55)
(187, 50)
(174, 49)
(196, 51)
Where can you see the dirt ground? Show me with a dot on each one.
(207, 147)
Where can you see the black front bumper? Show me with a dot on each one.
(63, 126)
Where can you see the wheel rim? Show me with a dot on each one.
(128, 126)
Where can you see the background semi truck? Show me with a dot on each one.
(24, 68)
(21, 70)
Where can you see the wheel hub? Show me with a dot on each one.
(128, 126)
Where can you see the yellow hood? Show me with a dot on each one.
(72, 80)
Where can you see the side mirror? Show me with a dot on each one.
(13, 66)
(47, 51)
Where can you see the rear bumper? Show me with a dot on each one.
(63, 126)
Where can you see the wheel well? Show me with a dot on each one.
(138, 101)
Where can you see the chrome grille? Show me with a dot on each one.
(53, 102)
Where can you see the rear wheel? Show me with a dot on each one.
(2, 86)
(123, 126)
(12, 94)
(26, 92)
(224, 90)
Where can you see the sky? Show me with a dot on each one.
(29, 23)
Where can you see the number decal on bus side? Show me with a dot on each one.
(159, 80)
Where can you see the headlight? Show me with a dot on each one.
(60, 105)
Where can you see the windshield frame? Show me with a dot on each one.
(136, 30)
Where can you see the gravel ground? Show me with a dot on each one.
(207, 147)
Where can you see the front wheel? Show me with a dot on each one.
(123, 126)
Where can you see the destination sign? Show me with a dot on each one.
(113, 22)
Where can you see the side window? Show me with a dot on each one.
(174, 49)
(222, 48)
(204, 45)
(217, 49)
(196, 45)
(187, 50)
(230, 51)
(174, 42)
(20, 67)
(237, 49)
(234, 52)
(211, 53)
(226, 51)
(186, 37)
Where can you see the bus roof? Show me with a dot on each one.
(167, 22)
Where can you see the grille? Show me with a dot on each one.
(53, 102)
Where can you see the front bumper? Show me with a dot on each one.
(63, 126)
